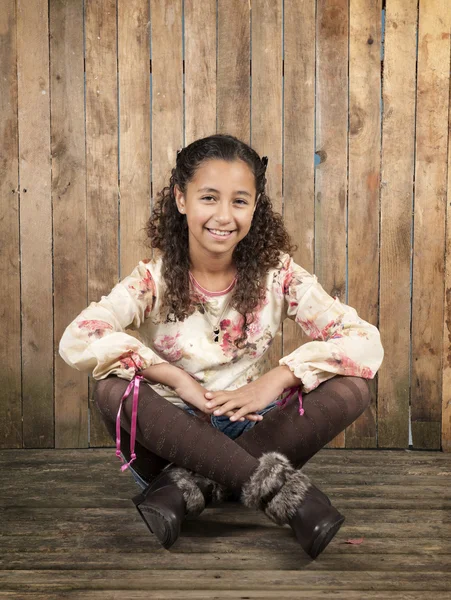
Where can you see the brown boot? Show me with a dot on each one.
(172, 496)
(287, 496)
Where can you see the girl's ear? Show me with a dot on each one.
(179, 199)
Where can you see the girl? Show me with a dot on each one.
(207, 308)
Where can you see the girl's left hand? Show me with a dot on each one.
(250, 398)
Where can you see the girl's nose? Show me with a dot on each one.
(223, 214)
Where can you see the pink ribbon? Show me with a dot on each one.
(134, 382)
(289, 392)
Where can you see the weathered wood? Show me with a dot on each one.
(364, 175)
(299, 142)
(35, 222)
(101, 165)
(167, 89)
(446, 369)
(331, 146)
(266, 124)
(69, 211)
(233, 78)
(134, 129)
(396, 221)
(200, 69)
(218, 595)
(10, 351)
(429, 221)
(89, 540)
(219, 579)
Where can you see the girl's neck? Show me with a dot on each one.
(212, 273)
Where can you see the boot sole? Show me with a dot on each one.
(156, 522)
(325, 536)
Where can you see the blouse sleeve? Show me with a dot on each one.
(343, 343)
(95, 340)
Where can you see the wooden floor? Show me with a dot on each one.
(69, 530)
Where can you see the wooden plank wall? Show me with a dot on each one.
(350, 101)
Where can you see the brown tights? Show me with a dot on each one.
(167, 434)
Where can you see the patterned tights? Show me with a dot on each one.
(167, 434)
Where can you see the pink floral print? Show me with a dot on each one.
(95, 328)
(167, 345)
(341, 342)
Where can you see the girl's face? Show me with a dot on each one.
(219, 203)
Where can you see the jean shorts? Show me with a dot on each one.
(231, 429)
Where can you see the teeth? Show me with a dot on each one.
(218, 232)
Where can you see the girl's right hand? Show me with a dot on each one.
(193, 394)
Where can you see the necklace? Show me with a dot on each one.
(214, 326)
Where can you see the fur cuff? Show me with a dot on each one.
(217, 493)
(184, 480)
(276, 487)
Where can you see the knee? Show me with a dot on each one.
(107, 394)
(362, 389)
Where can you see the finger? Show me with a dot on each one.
(217, 401)
(230, 405)
(230, 413)
(242, 412)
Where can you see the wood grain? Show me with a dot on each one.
(266, 124)
(299, 142)
(446, 373)
(429, 221)
(101, 165)
(35, 222)
(10, 348)
(167, 89)
(364, 178)
(331, 146)
(200, 69)
(69, 211)
(233, 59)
(134, 129)
(396, 222)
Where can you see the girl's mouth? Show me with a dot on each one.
(219, 234)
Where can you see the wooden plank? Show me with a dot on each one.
(167, 89)
(446, 374)
(299, 142)
(331, 146)
(396, 221)
(10, 355)
(217, 595)
(134, 123)
(364, 176)
(101, 164)
(35, 222)
(233, 60)
(69, 211)
(200, 69)
(257, 580)
(266, 100)
(429, 221)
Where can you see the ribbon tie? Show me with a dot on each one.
(134, 382)
(288, 392)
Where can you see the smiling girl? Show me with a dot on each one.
(203, 419)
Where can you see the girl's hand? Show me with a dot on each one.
(253, 397)
(193, 394)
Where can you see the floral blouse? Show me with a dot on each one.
(342, 343)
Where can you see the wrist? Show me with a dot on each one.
(286, 377)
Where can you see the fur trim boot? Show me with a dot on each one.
(176, 493)
(287, 496)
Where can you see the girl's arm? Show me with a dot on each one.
(96, 341)
(343, 343)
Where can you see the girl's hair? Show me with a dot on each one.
(254, 255)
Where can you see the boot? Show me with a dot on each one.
(287, 496)
(172, 496)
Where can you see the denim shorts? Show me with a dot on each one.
(231, 429)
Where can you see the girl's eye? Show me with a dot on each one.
(208, 198)
(241, 201)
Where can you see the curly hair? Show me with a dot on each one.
(254, 255)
